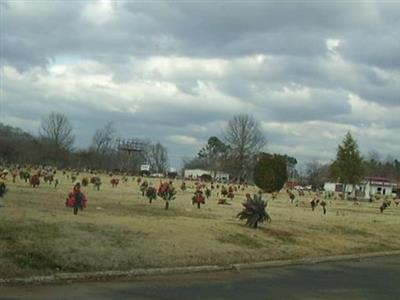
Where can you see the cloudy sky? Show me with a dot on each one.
(176, 72)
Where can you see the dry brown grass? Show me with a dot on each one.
(121, 230)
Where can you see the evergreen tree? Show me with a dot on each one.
(348, 166)
(270, 172)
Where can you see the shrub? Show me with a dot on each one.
(270, 173)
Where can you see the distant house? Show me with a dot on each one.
(396, 189)
(333, 187)
(368, 187)
(377, 186)
(220, 176)
(197, 173)
(194, 173)
(172, 173)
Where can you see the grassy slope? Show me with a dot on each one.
(120, 230)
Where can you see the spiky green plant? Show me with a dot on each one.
(254, 211)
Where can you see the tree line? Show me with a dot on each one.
(349, 166)
(54, 145)
(235, 152)
(238, 150)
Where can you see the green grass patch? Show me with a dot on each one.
(27, 243)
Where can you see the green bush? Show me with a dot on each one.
(270, 172)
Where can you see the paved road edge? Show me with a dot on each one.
(107, 275)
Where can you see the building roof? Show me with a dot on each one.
(384, 181)
(376, 178)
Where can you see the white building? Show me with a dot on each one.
(197, 173)
(338, 187)
(369, 187)
(331, 187)
(377, 186)
(145, 168)
(396, 190)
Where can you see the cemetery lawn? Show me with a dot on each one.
(120, 230)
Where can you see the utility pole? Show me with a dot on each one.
(130, 147)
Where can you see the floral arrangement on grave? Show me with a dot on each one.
(151, 193)
(167, 192)
(96, 181)
(198, 198)
(143, 187)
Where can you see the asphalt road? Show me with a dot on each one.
(377, 278)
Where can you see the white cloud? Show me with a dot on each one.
(99, 12)
(177, 67)
(332, 44)
(366, 112)
(184, 139)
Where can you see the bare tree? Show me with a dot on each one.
(214, 154)
(157, 157)
(245, 139)
(316, 174)
(56, 130)
(104, 138)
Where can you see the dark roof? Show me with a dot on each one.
(382, 179)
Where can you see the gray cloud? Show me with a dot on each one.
(175, 72)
